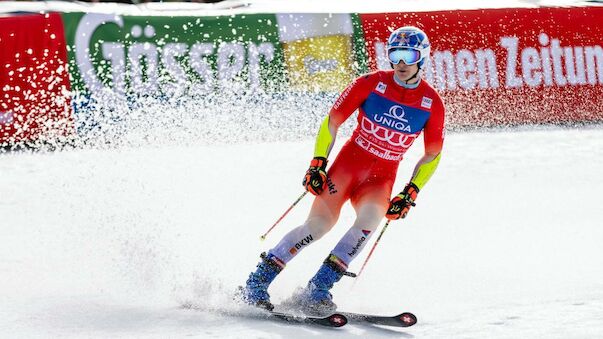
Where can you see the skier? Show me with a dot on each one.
(394, 106)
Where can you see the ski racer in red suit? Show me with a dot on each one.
(394, 107)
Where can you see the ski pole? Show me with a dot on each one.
(263, 237)
(373, 249)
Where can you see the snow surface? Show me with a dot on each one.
(505, 241)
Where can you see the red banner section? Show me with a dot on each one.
(34, 80)
(507, 66)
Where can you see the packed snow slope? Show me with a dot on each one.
(505, 240)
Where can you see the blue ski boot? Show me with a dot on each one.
(318, 299)
(255, 291)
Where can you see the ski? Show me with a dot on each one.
(332, 320)
(405, 319)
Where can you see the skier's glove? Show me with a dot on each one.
(401, 203)
(315, 180)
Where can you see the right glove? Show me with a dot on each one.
(315, 180)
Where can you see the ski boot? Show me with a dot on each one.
(316, 298)
(255, 291)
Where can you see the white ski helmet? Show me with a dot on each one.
(408, 44)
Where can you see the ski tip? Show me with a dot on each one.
(337, 320)
(407, 319)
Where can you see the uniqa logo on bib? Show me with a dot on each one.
(393, 119)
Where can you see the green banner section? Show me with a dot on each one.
(166, 55)
(359, 45)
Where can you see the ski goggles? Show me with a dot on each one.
(406, 55)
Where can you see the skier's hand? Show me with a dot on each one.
(315, 179)
(401, 203)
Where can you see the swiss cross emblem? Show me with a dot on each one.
(426, 102)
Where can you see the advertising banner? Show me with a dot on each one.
(34, 82)
(165, 55)
(492, 66)
(507, 66)
(318, 50)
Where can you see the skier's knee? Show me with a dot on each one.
(319, 226)
(369, 217)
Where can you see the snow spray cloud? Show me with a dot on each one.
(211, 118)
(185, 79)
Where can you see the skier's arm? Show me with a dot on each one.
(315, 179)
(325, 138)
(425, 169)
(349, 100)
(434, 141)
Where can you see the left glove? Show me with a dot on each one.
(401, 203)
(315, 179)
